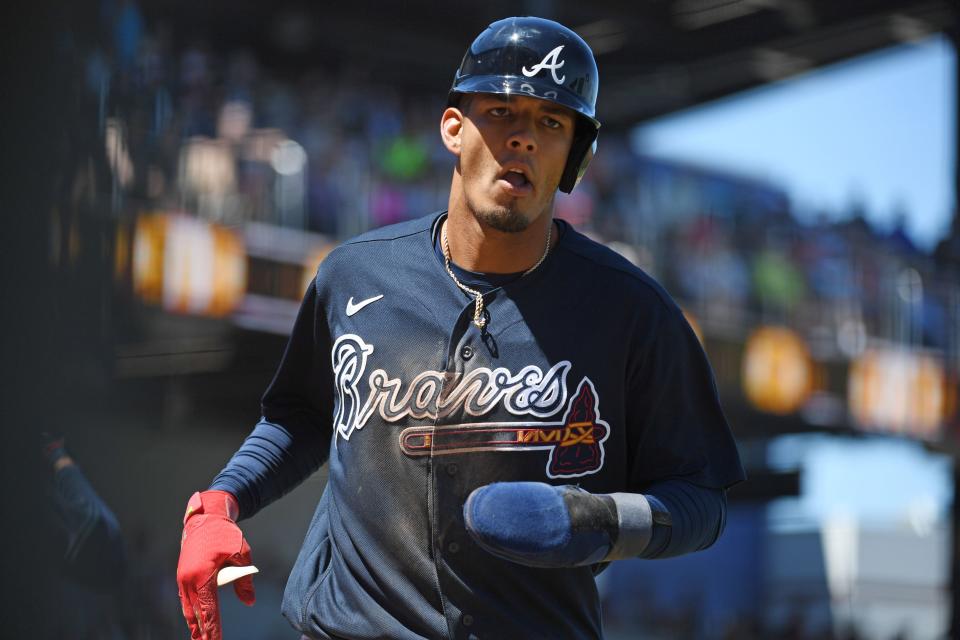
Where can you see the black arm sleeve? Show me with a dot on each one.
(698, 516)
(271, 462)
(292, 439)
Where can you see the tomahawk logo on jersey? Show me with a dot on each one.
(574, 443)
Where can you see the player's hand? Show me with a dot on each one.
(211, 540)
(539, 525)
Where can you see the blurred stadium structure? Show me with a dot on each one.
(214, 153)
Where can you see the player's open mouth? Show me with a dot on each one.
(515, 182)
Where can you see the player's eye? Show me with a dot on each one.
(551, 123)
(499, 112)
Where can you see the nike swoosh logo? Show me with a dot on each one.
(353, 308)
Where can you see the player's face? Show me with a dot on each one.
(512, 151)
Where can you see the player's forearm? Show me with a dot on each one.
(272, 461)
(696, 517)
(292, 439)
(671, 518)
(547, 526)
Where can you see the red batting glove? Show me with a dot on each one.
(211, 540)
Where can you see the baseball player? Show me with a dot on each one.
(505, 405)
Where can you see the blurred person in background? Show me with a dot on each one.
(451, 369)
(84, 533)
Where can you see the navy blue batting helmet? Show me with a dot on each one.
(542, 59)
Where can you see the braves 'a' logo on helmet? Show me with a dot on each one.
(550, 61)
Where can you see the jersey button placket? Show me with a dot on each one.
(466, 352)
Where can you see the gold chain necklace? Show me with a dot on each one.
(478, 318)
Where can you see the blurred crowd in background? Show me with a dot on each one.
(216, 136)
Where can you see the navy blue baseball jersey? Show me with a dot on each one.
(586, 373)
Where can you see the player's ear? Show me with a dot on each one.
(451, 128)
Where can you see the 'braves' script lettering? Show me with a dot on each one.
(530, 391)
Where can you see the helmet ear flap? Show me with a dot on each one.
(582, 148)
